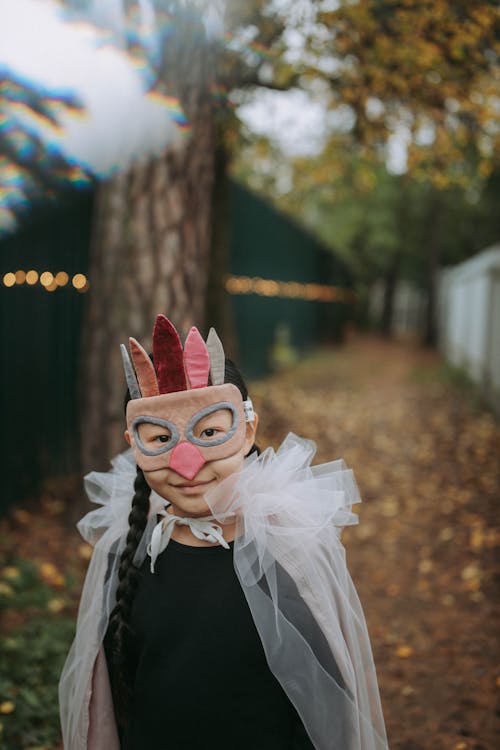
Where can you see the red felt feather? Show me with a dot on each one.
(168, 356)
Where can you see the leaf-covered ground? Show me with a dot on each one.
(424, 557)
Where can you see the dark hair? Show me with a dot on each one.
(119, 629)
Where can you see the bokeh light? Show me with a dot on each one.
(84, 288)
(79, 281)
(62, 278)
(46, 278)
(290, 289)
(52, 286)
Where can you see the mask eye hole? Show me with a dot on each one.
(214, 425)
(154, 436)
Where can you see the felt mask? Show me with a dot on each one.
(175, 418)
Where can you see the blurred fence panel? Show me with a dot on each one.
(267, 245)
(469, 320)
(40, 336)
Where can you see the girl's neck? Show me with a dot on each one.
(184, 535)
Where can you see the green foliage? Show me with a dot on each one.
(32, 653)
(430, 69)
(430, 64)
(379, 223)
(394, 224)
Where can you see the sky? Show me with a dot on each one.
(291, 118)
(37, 43)
(120, 121)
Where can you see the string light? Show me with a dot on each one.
(49, 281)
(46, 278)
(79, 280)
(62, 278)
(287, 289)
(84, 288)
(233, 285)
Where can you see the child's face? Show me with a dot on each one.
(174, 478)
(187, 496)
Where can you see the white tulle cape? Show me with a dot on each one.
(291, 566)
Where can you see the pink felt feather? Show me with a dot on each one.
(196, 359)
(167, 355)
(146, 376)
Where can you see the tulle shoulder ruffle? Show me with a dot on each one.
(106, 528)
(292, 568)
(113, 491)
(282, 488)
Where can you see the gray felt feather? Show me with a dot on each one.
(217, 358)
(130, 377)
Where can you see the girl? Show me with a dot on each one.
(222, 613)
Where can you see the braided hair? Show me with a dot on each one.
(119, 634)
(119, 630)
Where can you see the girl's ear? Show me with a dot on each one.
(126, 435)
(251, 431)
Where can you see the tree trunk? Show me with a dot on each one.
(388, 304)
(218, 310)
(149, 255)
(391, 278)
(433, 261)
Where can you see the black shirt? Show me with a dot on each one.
(201, 679)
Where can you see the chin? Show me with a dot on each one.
(190, 509)
(185, 505)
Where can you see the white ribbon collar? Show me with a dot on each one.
(202, 528)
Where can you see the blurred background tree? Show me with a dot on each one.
(402, 181)
(156, 222)
(414, 76)
(30, 171)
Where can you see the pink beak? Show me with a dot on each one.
(186, 460)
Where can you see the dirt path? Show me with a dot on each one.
(424, 556)
(427, 461)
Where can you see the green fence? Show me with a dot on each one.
(267, 244)
(39, 332)
(40, 329)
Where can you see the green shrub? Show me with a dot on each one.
(36, 638)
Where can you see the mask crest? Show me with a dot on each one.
(175, 369)
(196, 360)
(217, 358)
(132, 384)
(168, 356)
(144, 369)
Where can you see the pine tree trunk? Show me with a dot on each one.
(387, 304)
(391, 279)
(150, 254)
(433, 262)
(218, 310)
